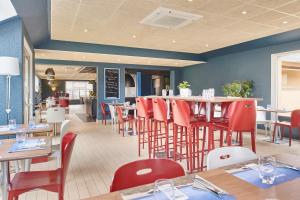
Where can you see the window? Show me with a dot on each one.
(77, 89)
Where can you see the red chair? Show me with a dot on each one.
(122, 120)
(64, 103)
(160, 117)
(241, 118)
(189, 135)
(295, 123)
(104, 112)
(130, 175)
(144, 118)
(53, 180)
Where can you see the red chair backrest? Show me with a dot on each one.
(295, 119)
(160, 109)
(242, 116)
(143, 172)
(120, 114)
(103, 106)
(66, 150)
(144, 107)
(64, 103)
(181, 112)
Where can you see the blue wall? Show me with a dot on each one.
(11, 44)
(251, 65)
(12, 33)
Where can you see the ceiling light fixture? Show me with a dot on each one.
(173, 41)
(285, 22)
(190, 0)
(206, 45)
(85, 30)
(244, 12)
(134, 36)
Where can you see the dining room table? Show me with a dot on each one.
(225, 179)
(5, 130)
(276, 112)
(11, 150)
(209, 102)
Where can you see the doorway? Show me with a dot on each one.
(285, 86)
(27, 82)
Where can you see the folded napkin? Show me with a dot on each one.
(28, 145)
(40, 126)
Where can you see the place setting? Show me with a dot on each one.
(268, 172)
(166, 189)
(22, 143)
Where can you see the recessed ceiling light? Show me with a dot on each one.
(83, 57)
(206, 45)
(176, 63)
(284, 22)
(244, 12)
(119, 59)
(85, 30)
(173, 41)
(190, 0)
(134, 36)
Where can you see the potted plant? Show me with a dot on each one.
(184, 89)
(241, 88)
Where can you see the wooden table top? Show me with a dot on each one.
(27, 129)
(240, 189)
(275, 110)
(5, 145)
(201, 99)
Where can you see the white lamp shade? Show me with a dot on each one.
(9, 66)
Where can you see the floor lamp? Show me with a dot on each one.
(9, 66)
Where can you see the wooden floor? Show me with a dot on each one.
(99, 151)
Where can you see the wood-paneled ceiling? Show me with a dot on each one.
(224, 22)
(111, 58)
(64, 72)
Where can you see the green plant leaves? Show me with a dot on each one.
(241, 88)
(183, 85)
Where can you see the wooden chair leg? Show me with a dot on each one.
(253, 141)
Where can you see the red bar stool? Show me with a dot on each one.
(144, 117)
(241, 118)
(122, 120)
(160, 117)
(295, 123)
(216, 120)
(104, 112)
(189, 135)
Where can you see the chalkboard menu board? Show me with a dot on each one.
(112, 83)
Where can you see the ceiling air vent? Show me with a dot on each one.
(168, 18)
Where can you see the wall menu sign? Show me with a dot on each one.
(111, 83)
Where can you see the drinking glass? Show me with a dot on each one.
(267, 169)
(164, 189)
(21, 136)
(164, 92)
(31, 123)
(171, 93)
(269, 106)
(12, 124)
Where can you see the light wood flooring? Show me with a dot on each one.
(99, 151)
